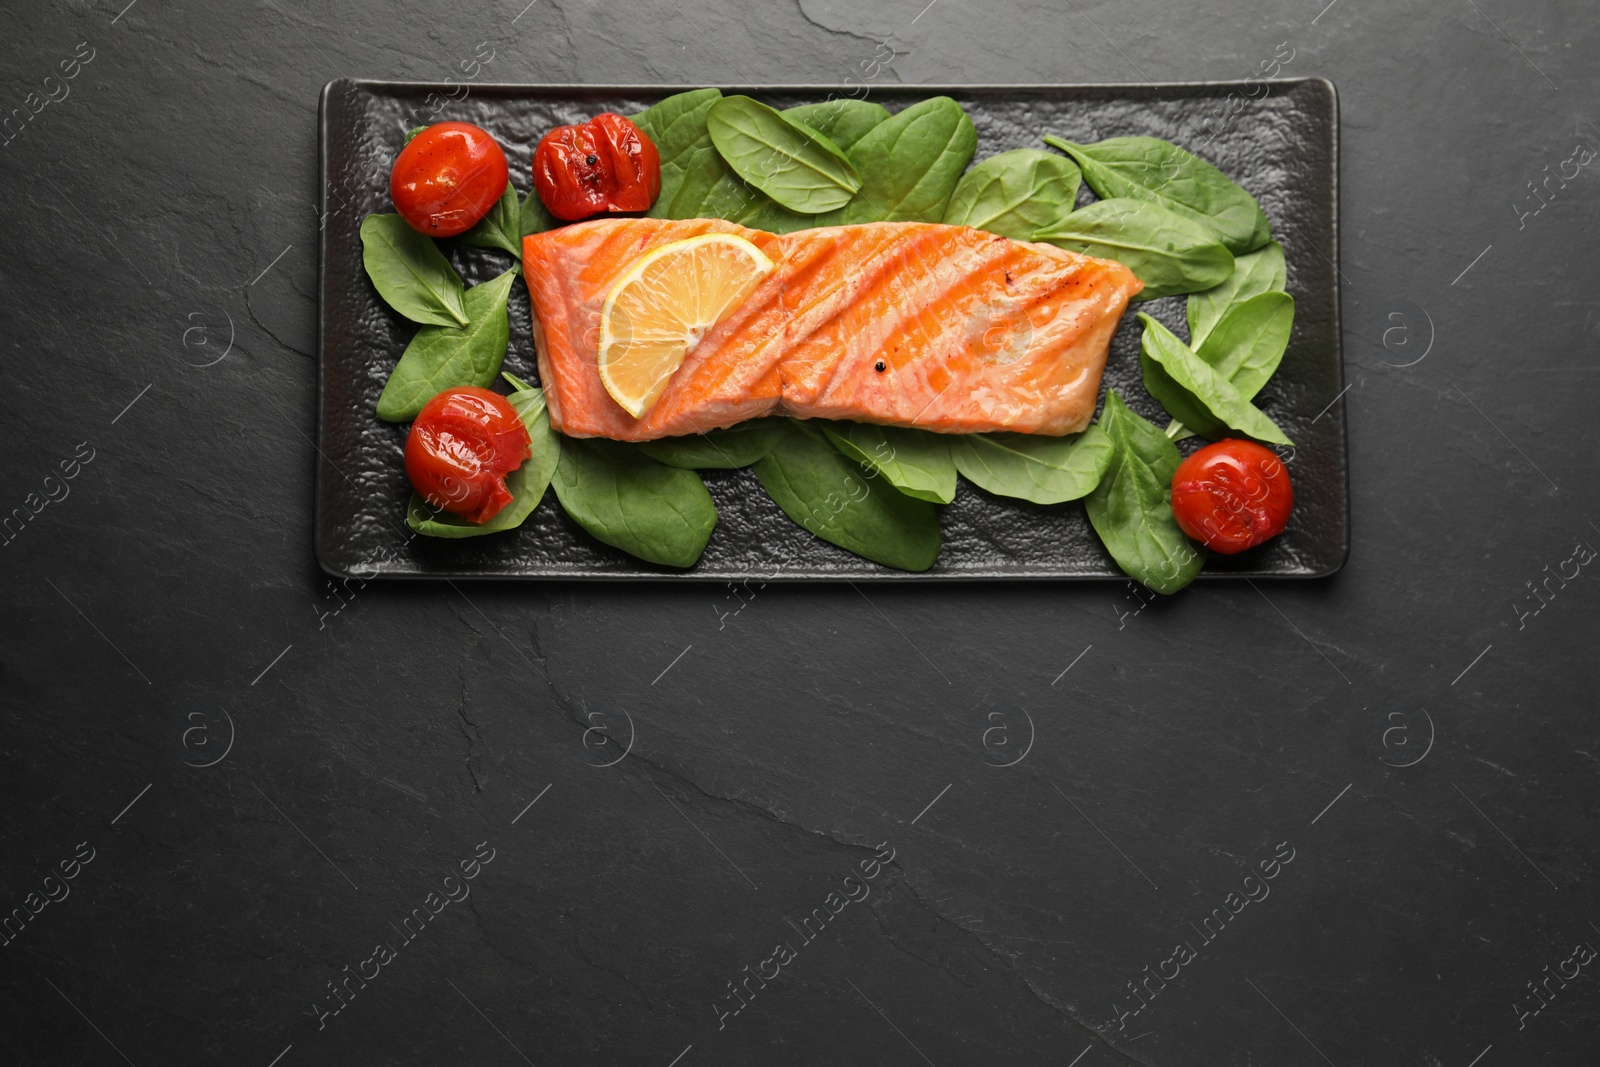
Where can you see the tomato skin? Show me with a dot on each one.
(1232, 495)
(604, 165)
(461, 447)
(448, 178)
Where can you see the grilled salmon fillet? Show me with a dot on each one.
(944, 328)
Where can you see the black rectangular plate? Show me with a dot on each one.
(1281, 146)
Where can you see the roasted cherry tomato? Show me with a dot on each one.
(447, 178)
(462, 445)
(1232, 495)
(604, 165)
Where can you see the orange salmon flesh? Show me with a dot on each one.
(975, 332)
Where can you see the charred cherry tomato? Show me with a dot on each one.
(462, 445)
(604, 165)
(1232, 495)
(448, 178)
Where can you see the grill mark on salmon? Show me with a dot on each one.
(976, 332)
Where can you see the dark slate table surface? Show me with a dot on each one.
(248, 822)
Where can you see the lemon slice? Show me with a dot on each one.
(663, 304)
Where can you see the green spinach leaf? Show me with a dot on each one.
(764, 214)
(909, 165)
(716, 191)
(659, 513)
(677, 127)
(1254, 273)
(676, 124)
(1166, 251)
(916, 462)
(794, 165)
(410, 272)
(1015, 194)
(439, 357)
(501, 228)
(533, 217)
(1249, 342)
(826, 493)
(843, 121)
(696, 183)
(731, 197)
(727, 449)
(705, 186)
(1045, 470)
(1194, 392)
(1131, 508)
(1159, 172)
(527, 483)
(703, 172)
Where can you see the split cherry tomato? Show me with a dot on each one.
(448, 178)
(604, 165)
(1232, 495)
(462, 445)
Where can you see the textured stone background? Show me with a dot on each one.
(167, 607)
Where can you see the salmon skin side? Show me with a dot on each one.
(974, 332)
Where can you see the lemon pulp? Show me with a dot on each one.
(662, 306)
